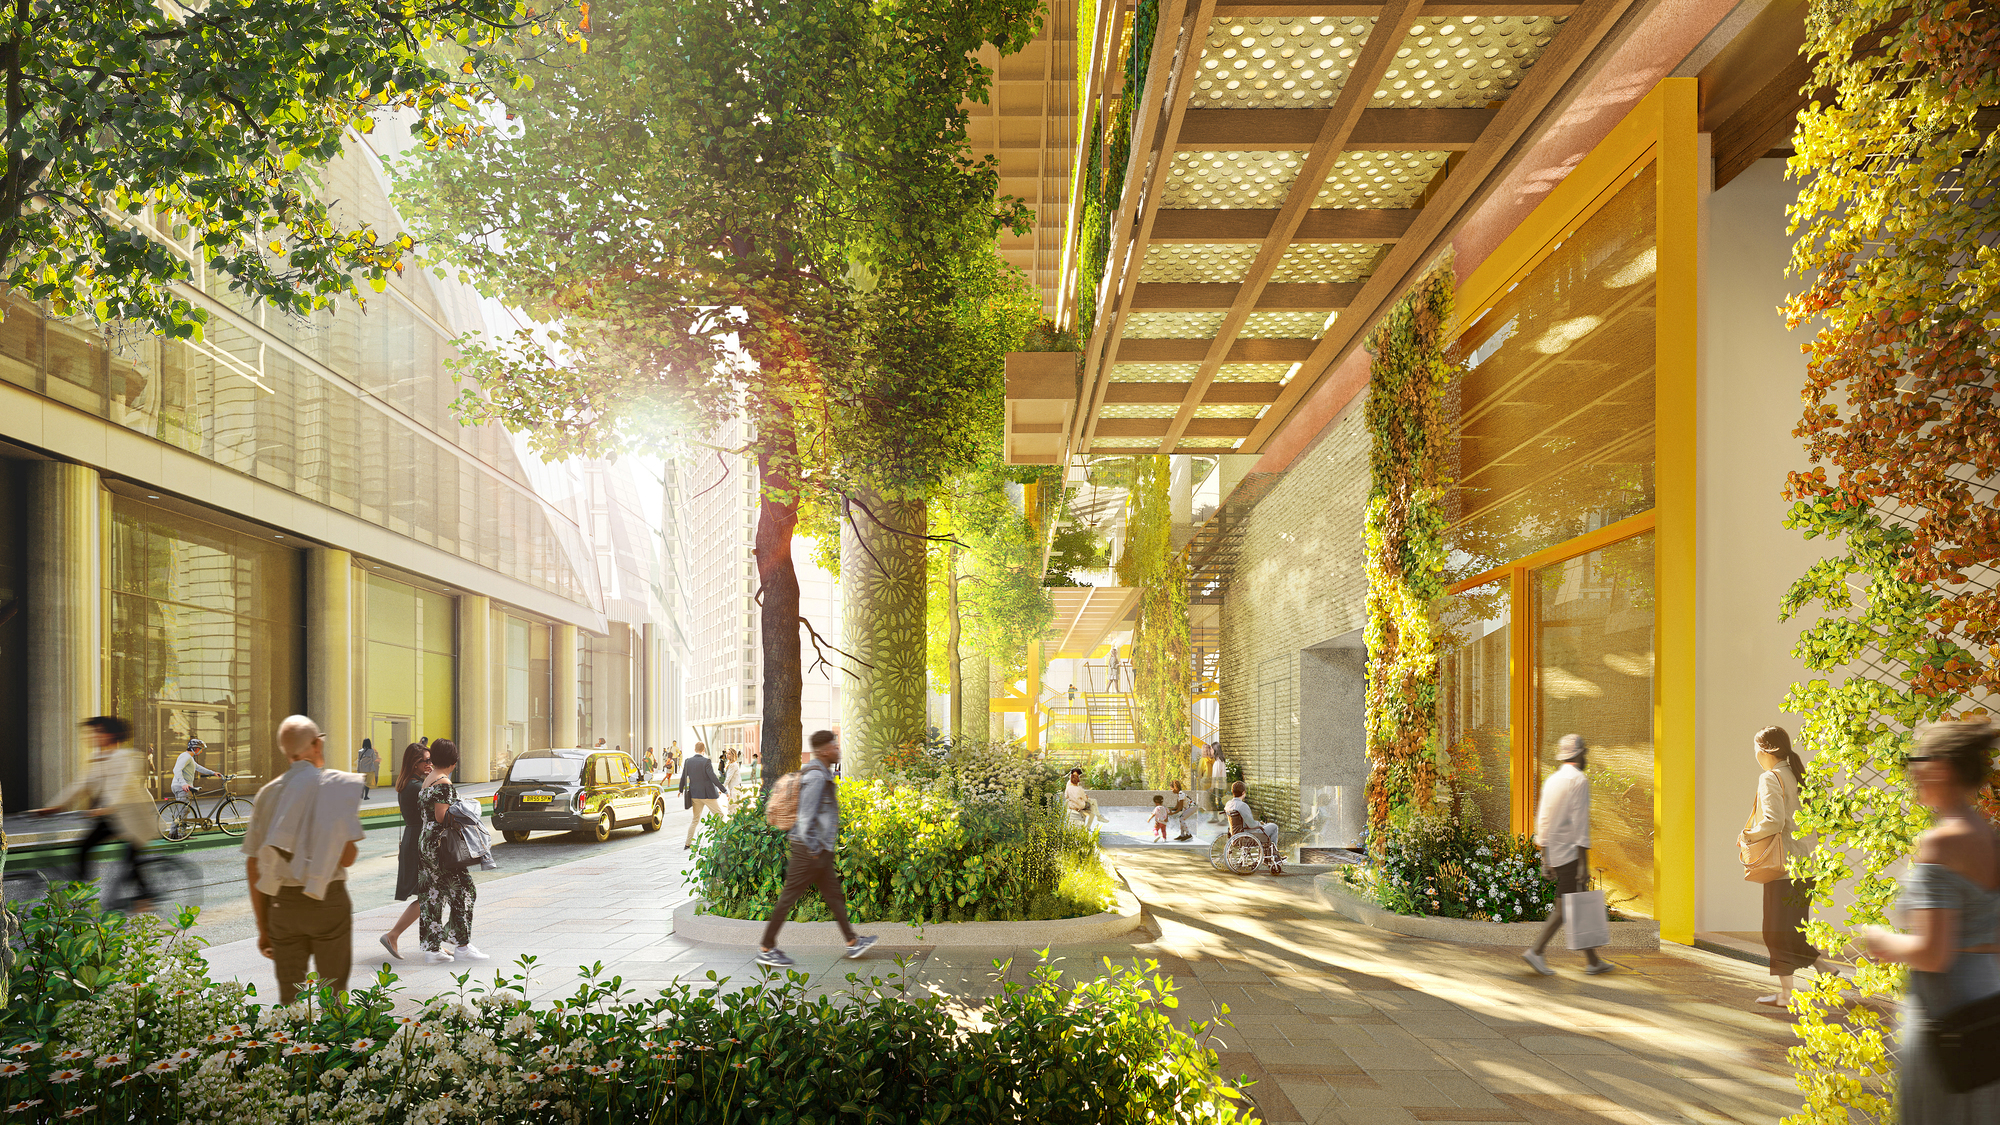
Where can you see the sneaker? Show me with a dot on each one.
(390, 946)
(436, 957)
(1775, 1000)
(471, 953)
(1535, 959)
(1600, 968)
(859, 946)
(774, 959)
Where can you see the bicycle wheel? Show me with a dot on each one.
(233, 816)
(174, 883)
(178, 820)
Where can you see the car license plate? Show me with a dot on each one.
(537, 798)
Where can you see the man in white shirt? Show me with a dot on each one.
(1241, 808)
(304, 828)
(1562, 829)
(188, 766)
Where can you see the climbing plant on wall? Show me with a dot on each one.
(1162, 657)
(1408, 478)
(1104, 175)
(1896, 230)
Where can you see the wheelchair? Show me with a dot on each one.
(1241, 851)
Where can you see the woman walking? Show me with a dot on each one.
(732, 780)
(1786, 902)
(409, 780)
(443, 886)
(1951, 904)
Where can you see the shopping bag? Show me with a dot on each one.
(1585, 920)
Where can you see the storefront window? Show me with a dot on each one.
(411, 656)
(205, 639)
(1556, 407)
(1593, 646)
(521, 688)
(1474, 705)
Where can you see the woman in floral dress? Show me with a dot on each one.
(442, 886)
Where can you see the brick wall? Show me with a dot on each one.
(1298, 582)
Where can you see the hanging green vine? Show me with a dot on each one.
(1104, 175)
(1409, 439)
(1162, 655)
(1898, 172)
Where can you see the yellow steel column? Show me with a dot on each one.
(330, 667)
(562, 668)
(1681, 173)
(475, 686)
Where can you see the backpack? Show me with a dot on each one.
(781, 811)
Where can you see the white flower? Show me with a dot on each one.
(65, 1076)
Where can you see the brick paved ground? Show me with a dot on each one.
(1338, 1023)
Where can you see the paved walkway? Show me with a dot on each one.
(1336, 1022)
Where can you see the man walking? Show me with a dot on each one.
(812, 838)
(699, 789)
(303, 835)
(188, 767)
(1562, 828)
(115, 785)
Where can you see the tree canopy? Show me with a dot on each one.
(146, 136)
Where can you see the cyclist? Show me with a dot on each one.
(187, 767)
(115, 786)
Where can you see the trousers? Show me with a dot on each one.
(302, 929)
(804, 871)
(702, 805)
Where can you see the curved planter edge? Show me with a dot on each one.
(1464, 931)
(826, 935)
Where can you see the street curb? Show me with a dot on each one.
(826, 935)
(1465, 931)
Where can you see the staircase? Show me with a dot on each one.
(1109, 714)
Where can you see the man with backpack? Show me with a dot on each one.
(807, 805)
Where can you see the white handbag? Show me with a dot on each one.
(1586, 921)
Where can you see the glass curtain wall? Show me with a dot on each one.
(1556, 445)
(205, 639)
(522, 690)
(607, 669)
(411, 666)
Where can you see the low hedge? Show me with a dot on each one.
(1427, 864)
(911, 853)
(115, 1019)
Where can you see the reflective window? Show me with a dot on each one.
(411, 661)
(1474, 698)
(205, 638)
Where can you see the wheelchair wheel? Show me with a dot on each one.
(1244, 853)
(1216, 848)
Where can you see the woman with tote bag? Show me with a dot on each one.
(1764, 845)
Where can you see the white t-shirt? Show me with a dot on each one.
(185, 768)
(1159, 814)
(1076, 796)
(1241, 808)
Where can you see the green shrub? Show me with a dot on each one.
(174, 1047)
(1128, 772)
(1426, 864)
(915, 853)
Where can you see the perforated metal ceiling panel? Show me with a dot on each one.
(1227, 410)
(1464, 61)
(1227, 178)
(1172, 325)
(1154, 372)
(1252, 372)
(1285, 325)
(1281, 62)
(1380, 179)
(1214, 263)
(1327, 262)
(1139, 410)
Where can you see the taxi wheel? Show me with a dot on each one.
(602, 831)
(513, 836)
(659, 820)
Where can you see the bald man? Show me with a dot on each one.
(304, 830)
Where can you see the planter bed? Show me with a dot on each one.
(1464, 931)
(1114, 924)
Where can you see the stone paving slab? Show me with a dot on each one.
(1334, 1022)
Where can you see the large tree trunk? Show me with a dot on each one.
(882, 620)
(778, 585)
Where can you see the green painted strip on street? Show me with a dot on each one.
(37, 856)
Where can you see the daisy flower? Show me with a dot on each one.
(116, 1058)
(24, 1049)
(615, 1065)
(532, 1076)
(122, 1079)
(236, 1029)
(538, 1103)
(73, 1054)
(65, 1076)
(10, 1069)
(79, 1111)
(164, 1066)
(19, 1107)
(280, 1037)
(362, 1045)
(186, 1054)
(235, 1057)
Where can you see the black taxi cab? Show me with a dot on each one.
(590, 792)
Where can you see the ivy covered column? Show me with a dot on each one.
(882, 564)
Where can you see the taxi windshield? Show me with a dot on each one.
(546, 769)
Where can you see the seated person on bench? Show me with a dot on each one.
(1238, 809)
(1081, 804)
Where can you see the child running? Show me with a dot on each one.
(1159, 818)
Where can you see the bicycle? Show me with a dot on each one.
(173, 881)
(182, 817)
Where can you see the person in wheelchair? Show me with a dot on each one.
(1238, 810)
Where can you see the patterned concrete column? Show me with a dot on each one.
(562, 667)
(975, 694)
(475, 686)
(882, 622)
(65, 624)
(330, 664)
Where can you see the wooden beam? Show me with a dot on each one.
(1336, 126)
(1321, 224)
(1765, 122)
(1194, 351)
(1406, 260)
(1234, 394)
(1449, 129)
(1190, 296)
